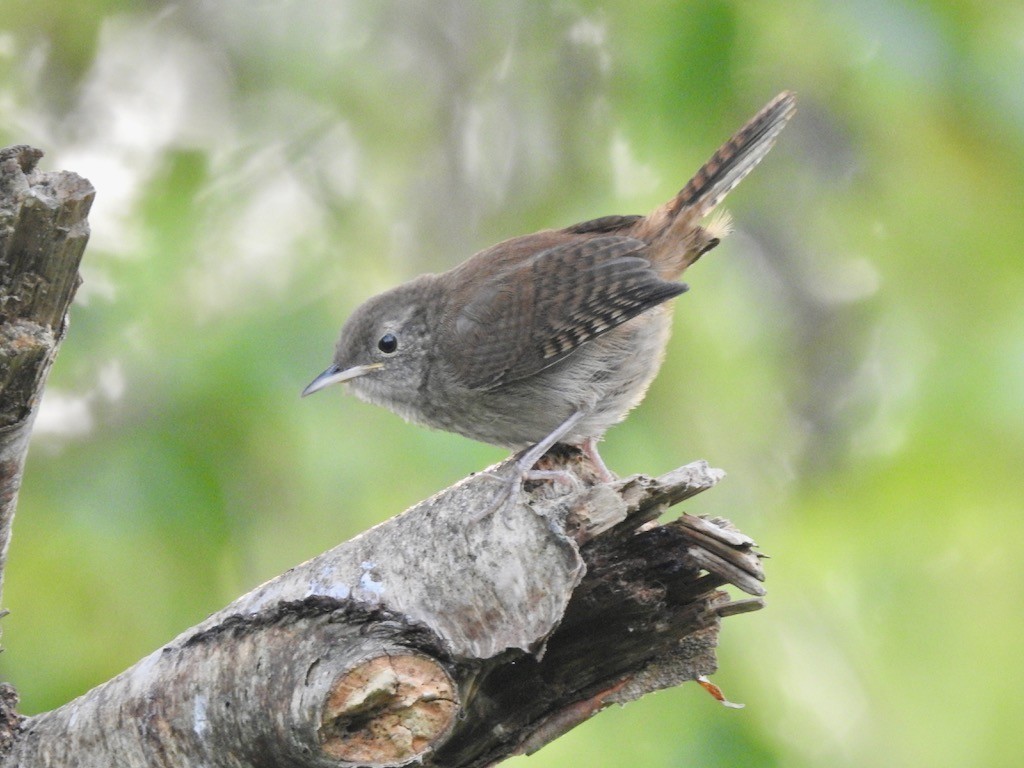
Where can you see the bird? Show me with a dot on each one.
(551, 337)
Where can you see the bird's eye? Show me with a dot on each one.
(388, 343)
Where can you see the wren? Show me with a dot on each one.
(551, 337)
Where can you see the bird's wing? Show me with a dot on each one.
(537, 312)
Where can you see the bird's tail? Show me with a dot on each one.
(674, 225)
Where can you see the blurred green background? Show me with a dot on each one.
(853, 355)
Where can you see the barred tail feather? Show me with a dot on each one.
(736, 158)
(677, 239)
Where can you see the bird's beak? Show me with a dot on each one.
(336, 375)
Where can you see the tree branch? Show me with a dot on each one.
(431, 637)
(43, 232)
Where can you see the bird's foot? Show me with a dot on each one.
(525, 466)
(513, 482)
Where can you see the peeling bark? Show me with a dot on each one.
(430, 637)
(43, 232)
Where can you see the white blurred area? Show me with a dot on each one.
(242, 87)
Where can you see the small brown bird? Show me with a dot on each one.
(546, 338)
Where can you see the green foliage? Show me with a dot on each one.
(853, 355)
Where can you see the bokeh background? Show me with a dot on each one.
(853, 355)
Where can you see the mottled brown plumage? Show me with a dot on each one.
(549, 337)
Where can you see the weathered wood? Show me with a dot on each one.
(43, 232)
(430, 637)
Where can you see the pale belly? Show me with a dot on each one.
(605, 378)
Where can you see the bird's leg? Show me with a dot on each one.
(524, 465)
(589, 448)
(529, 458)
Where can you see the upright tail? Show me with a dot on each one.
(673, 228)
(735, 159)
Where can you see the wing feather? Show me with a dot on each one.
(535, 314)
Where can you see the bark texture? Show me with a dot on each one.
(43, 232)
(432, 637)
